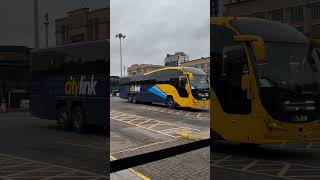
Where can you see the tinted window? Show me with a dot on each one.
(75, 59)
(228, 63)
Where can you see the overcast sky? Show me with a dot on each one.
(16, 18)
(155, 28)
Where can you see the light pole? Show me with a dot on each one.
(120, 36)
(46, 23)
(124, 70)
(36, 24)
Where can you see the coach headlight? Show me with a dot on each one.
(203, 95)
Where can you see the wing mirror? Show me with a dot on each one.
(256, 42)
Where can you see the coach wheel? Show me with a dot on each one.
(78, 119)
(63, 119)
(170, 103)
(134, 99)
(129, 98)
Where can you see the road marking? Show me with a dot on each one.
(173, 129)
(81, 145)
(147, 145)
(138, 174)
(116, 115)
(249, 165)
(263, 167)
(154, 125)
(284, 170)
(197, 115)
(144, 122)
(13, 171)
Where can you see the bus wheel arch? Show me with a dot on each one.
(170, 102)
(78, 115)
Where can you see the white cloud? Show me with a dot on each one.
(155, 28)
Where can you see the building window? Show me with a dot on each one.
(202, 66)
(77, 38)
(295, 13)
(315, 10)
(276, 15)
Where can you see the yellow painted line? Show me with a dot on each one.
(147, 145)
(188, 135)
(138, 174)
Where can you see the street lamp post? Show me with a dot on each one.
(36, 24)
(124, 70)
(46, 23)
(120, 36)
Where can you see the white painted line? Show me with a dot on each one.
(53, 165)
(249, 165)
(221, 160)
(144, 122)
(198, 116)
(58, 175)
(172, 129)
(151, 130)
(28, 171)
(153, 125)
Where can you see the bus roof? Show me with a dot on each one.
(188, 69)
(166, 68)
(68, 45)
(269, 30)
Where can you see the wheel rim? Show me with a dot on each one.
(62, 118)
(76, 120)
(170, 103)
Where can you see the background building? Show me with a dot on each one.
(14, 74)
(83, 25)
(140, 69)
(175, 59)
(293, 12)
(217, 7)
(203, 63)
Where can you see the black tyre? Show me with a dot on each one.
(79, 119)
(129, 98)
(170, 103)
(63, 118)
(134, 99)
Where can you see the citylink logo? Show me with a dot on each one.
(83, 87)
(135, 88)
